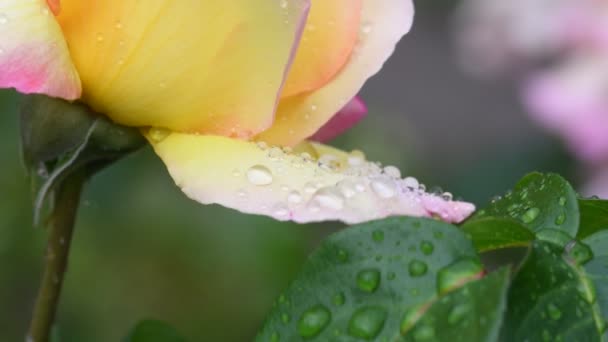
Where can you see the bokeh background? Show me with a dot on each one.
(143, 250)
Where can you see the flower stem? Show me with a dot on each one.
(61, 227)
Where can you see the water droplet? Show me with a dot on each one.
(259, 175)
(310, 188)
(457, 313)
(329, 198)
(280, 211)
(417, 268)
(530, 215)
(294, 197)
(283, 3)
(424, 333)
(329, 162)
(427, 247)
(313, 321)
(554, 312)
(378, 235)
(383, 188)
(262, 145)
(313, 107)
(158, 134)
(282, 299)
(242, 193)
(367, 322)
(356, 158)
(118, 25)
(368, 280)
(560, 219)
(339, 299)
(392, 171)
(285, 318)
(342, 255)
(458, 273)
(562, 201)
(578, 251)
(391, 275)
(3, 18)
(411, 183)
(275, 337)
(99, 37)
(347, 188)
(438, 235)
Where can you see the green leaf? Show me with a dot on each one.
(539, 201)
(60, 137)
(490, 233)
(594, 216)
(154, 331)
(473, 312)
(363, 282)
(597, 268)
(551, 298)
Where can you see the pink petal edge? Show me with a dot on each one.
(354, 111)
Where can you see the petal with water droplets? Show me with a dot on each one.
(310, 183)
(34, 56)
(383, 23)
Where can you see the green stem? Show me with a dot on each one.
(67, 198)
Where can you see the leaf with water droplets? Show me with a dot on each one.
(597, 269)
(490, 233)
(538, 201)
(552, 297)
(472, 312)
(367, 277)
(154, 331)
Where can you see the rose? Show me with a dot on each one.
(227, 92)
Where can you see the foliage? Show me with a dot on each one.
(408, 279)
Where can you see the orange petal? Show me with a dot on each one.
(323, 184)
(330, 34)
(34, 57)
(212, 67)
(383, 23)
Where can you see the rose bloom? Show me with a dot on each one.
(228, 93)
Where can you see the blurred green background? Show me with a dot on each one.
(143, 250)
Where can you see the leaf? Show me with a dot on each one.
(473, 312)
(154, 331)
(538, 201)
(597, 268)
(362, 282)
(489, 233)
(594, 216)
(551, 298)
(59, 137)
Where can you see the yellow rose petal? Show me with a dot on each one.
(383, 23)
(212, 67)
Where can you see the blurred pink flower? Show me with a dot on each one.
(567, 96)
(572, 100)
